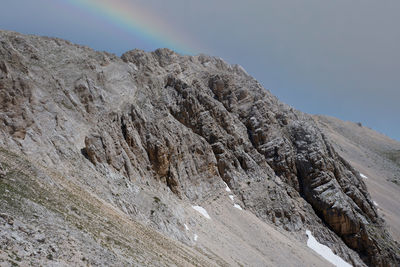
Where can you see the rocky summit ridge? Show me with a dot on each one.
(102, 158)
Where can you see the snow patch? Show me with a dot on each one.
(237, 206)
(195, 237)
(202, 211)
(227, 189)
(363, 176)
(186, 227)
(376, 204)
(325, 251)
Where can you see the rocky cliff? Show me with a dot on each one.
(377, 157)
(147, 136)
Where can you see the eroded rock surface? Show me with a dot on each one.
(188, 123)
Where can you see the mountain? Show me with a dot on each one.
(162, 159)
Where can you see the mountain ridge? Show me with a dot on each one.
(150, 132)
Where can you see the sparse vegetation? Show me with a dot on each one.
(103, 224)
(394, 156)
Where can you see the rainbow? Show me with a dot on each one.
(137, 21)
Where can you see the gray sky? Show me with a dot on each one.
(339, 58)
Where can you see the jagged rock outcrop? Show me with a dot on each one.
(376, 156)
(189, 122)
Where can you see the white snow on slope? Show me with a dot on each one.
(237, 206)
(363, 176)
(186, 227)
(202, 211)
(227, 189)
(325, 251)
(375, 203)
(195, 237)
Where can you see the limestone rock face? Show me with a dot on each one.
(188, 123)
